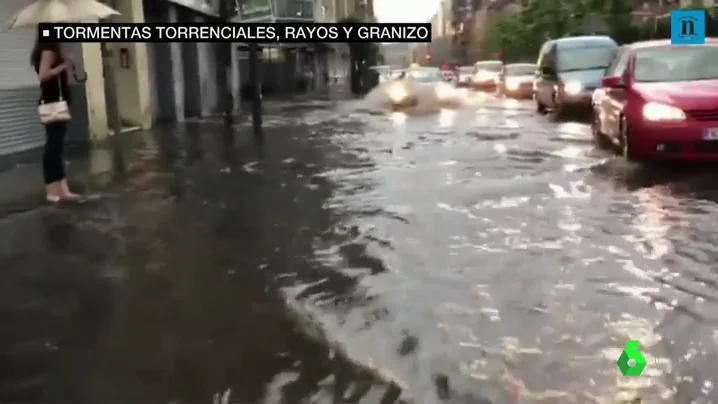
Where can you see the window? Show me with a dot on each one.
(542, 55)
(489, 66)
(619, 63)
(550, 56)
(426, 75)
(588, 58)
(520, 70)
(670, 64)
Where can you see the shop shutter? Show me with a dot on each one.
(20, 128)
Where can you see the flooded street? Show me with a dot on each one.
(480, 255)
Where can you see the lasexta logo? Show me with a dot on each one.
(631, 362)
(688, 27)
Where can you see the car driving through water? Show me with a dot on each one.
(569, 70)
(464, 76)
(517, 80)
(486, 75)
(417, 82)
(660, 101)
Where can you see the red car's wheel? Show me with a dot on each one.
(599, 137)
(625, 143)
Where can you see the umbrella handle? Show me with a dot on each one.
(79, 78)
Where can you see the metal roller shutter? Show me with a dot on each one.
(159, 63)
(20, 128)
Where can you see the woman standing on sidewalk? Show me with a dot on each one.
(51, 64)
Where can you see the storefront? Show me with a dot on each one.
(20, 128)
(284, 68)
(184, 77)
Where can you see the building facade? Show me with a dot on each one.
(336, 58)
(164, 82)
(20, 128)
(439, 50)
(285, 68)
(188, 80)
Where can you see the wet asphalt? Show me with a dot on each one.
(479, 255)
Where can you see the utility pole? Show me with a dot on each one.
(256, 80)
(109, 57)
(113, 110)
(224, 67)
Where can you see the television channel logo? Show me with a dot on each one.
(632, 362)
(688, 27)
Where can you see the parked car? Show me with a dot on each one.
(660, 101)
(465, 74)
(402, 92)
(486, 75)
(569, 70)
(517, 80)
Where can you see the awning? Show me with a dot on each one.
(245, 46)
(202, 7)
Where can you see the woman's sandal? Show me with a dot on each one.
(72, 198)
(53, 199)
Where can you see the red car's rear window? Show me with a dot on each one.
(673, 63)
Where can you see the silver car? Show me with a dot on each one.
(517, 80)
(466, 74)
(401, 91)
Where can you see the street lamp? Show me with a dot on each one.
(227, 8)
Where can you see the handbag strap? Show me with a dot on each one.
(59, 86)
(59, 91)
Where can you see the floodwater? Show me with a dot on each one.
(477, 255)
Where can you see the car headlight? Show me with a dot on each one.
(444, 91)
(573, 88)
(513, 84)
(483, 76)
(654, 111)
(397, 92)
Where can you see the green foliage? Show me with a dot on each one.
(518, 37)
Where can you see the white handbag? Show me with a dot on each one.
(58, 111)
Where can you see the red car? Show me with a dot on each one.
(659, 101)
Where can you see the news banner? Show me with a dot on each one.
(235, 32)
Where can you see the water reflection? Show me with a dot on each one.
(172, 292)
(511, 105)
(398, 119)
(446, 118)
(659, 212)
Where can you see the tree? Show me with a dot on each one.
(518, 37)
(362, 56)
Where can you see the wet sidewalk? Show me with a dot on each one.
(168, 288)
